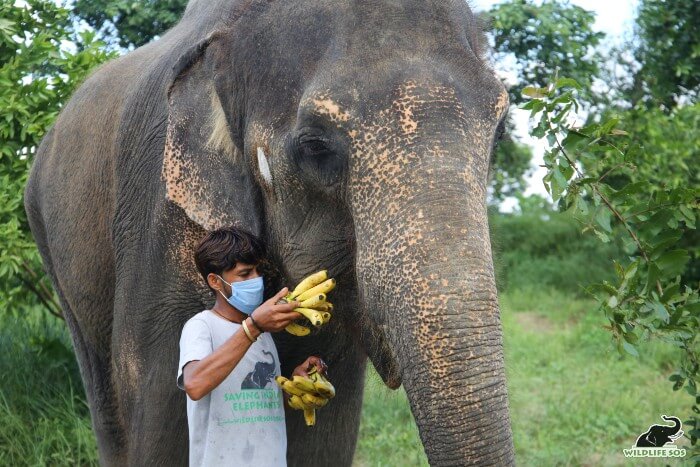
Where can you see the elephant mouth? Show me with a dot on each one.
(382, 356)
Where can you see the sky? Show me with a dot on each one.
(613, 17)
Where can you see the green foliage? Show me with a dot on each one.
(532, 250)
(542, 38)
(36, 76)
(669, 50)
(128, 23)
(509, 165)
(44, 418)
(546, 37)
(648, 299)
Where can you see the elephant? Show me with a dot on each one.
(659, 435)
(262, 374)
(350, 135)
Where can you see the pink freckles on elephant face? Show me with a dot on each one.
(183, 252)
(177, 171)
(326, 106)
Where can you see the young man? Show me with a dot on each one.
(228, 360)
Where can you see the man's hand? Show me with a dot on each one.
(302, 369)
(273, 318)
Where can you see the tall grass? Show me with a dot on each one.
(44, 419)
(544, 249)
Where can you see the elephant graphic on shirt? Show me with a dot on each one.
(261, 374)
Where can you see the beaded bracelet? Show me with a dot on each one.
(255, 324)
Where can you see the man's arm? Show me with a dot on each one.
(200, 377)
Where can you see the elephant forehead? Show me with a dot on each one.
(406, 146)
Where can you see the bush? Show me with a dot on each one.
(533, 250)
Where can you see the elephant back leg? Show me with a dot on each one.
(69, 223)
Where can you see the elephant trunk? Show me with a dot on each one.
(436, 303)
(424, 267)
(427, 281)
(676, 424)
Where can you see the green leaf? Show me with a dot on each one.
(567, 83)
(688, 214)
(630, 349)
(631, 337)
(534, 93)
(603, 217)
(672, 263)
(660, 311)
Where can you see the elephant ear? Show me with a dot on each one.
(204, 171)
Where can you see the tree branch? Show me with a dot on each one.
(605, 200)
(43, 293)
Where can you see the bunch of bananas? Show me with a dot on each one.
(307, 394)
(311, 293)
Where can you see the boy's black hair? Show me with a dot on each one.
(222, 248)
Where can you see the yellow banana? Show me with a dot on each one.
(310, 417)
(305, 384)
(297, 329)
(295, 402)
(322, 288)
(324, 388)
(323, 306)
(291, 388)
(314, 316)
(330, 307)
(280, 380)
(314, 401)
(309, 282)
(299, 402)
(326, 317)
(314, 301)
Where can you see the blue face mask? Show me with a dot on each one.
(246, 295)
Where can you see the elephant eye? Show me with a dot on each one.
(317, 158)
(314, 147)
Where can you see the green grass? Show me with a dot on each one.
(573, 399)
(44, 419)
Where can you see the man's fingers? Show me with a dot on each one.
(285, 307)
(292, 315)
(280, 294)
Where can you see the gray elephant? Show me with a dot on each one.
(660, 435)
(351, 135)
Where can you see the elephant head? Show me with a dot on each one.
(356, 136)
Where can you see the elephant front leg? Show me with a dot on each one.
(331, 442)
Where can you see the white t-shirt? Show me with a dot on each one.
(241, 422)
